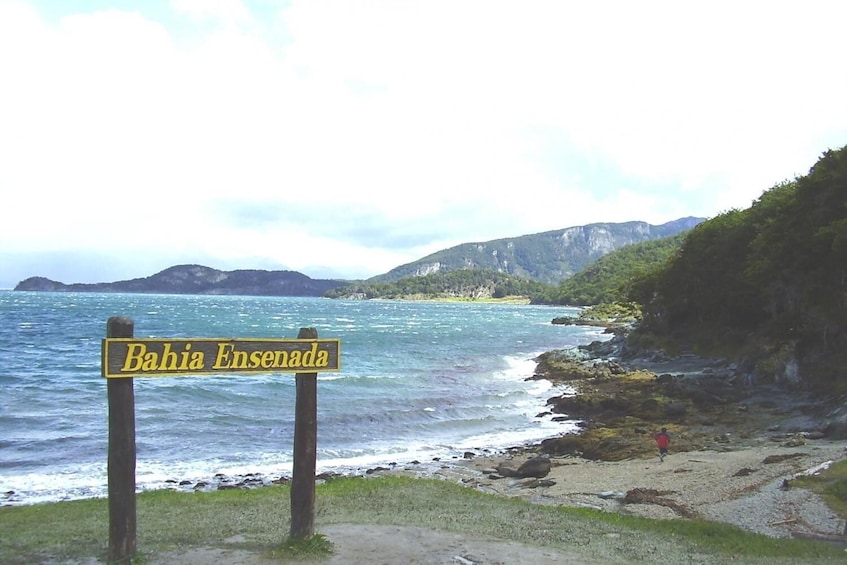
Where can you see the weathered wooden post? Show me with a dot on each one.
(305, 449)
(121, 460)
(125, 357)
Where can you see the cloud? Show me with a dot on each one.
(226, 12)
(354, 137)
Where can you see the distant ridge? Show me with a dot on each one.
(548, 257)
(197, 279)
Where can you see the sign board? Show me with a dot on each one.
(131, 357)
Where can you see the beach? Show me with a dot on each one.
(734, 486)
(743, 486)
(736, 463)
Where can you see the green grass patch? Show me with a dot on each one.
(259, 520)
(831, 484)
(314, 547)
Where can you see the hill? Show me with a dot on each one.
(524, 265)
(468, 284)
(196, 279)
(766, 285)
(609, 278)
(548, 257)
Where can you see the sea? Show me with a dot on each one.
(419, 382)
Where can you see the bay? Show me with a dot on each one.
(419, 381)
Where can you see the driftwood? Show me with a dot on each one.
(783, 522)
(770, 459)
(653, 496)
(831, 538)
(814, 470)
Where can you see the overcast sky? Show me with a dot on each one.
(342, 139)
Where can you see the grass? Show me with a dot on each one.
(831, 484)
(311, 548)
(258, 521)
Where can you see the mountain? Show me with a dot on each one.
(548, 257)
(609, 278)
(196, 279)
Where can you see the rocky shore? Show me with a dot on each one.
(735, 454)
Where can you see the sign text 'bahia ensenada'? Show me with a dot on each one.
(130, 357)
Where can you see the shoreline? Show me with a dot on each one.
(736, 472)
(743, 486)
(737, 480)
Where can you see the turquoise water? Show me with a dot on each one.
(419, 381)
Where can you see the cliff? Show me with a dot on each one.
(549, 257)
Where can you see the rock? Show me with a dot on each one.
(675, 410)
(376, 470)
(534, 483)
(537, 467)
(835, 425)
(795, 441)
(505, 471)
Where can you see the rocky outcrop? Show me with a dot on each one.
(548, 257)
(197, 279)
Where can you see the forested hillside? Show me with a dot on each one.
(465, 283)
(768, 284)
(548, 257)
(610, 278)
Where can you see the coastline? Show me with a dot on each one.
(738, 480)
(735, 478)
(736, 470)
(742, 486)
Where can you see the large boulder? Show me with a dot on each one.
(537, 467)
(835, 424)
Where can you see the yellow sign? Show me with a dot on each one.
(130, 357)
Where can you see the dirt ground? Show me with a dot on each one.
(374, 545)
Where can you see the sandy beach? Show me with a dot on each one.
(743, 486)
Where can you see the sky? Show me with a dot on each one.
(342, 139)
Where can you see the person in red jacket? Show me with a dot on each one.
(663, 440)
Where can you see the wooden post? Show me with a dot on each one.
(305, 450)
(121, 463)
